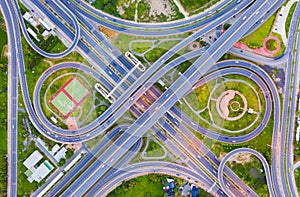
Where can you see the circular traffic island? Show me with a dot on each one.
(231, 105)
(272, 44)
(235, 105)
(68, 99)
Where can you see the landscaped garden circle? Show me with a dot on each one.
(234, 105)
(272, 45)
(229, 105)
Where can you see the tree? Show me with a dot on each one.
(61, 162)
(69, 153)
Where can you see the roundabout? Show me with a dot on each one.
(234, 104)
(65, 97)
(242, 93)
(71, 97)
(226, 103)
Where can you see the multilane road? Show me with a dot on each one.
(114, 154)
(168, 99)
(12, 119)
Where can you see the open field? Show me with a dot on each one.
(3, 109)
(194, 5)
(154, 149)
(144, 10)
(250, 173)
(82, 111)
(146, 186)
(198, 98)
(140, 47)
(154, 54)
(255, 39)
(289, 18)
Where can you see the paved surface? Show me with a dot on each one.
(162, 116)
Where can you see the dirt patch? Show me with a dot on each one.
(160, 7)
(5, 51)
(240, 158)
(222, 155)
(109, 33)
(75, 147)
(72, 123)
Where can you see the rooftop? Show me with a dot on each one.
(33, 159)
(42, 171)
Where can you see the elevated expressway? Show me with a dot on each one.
(168, 93)
(185, 82)
(253, 152)
(104, 122)
(12, 105)
(227, 70)
(284, 153)
(36, 48)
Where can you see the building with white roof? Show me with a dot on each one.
(33, 159)
(55, 148)
(298, 134)
(27, 16)
(44, 24)
(41, 172)
(33, 22)
(53, 33)
(31, 32)
(61, 154)
(52, 118)
(250, 111)
(45, 34)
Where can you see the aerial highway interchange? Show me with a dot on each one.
(221, 109)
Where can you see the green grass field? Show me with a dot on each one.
(154, 149)
(264, 140)
(243, 88)
(198, 99)
(193, 5)
(155, 53)
(282, 46)
(148, 186)
(252, 100)
(272, 45)
(3, 42)
(289, 18)
(255, 40)
(232, 125)
(63, 103)
(76, 90)
(3, 109)
(85, 106)
(140, 47)
(256, 181)
(297, 178)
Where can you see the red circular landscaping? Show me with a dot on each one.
(194, 46)
(268, 44)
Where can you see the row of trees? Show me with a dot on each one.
(3, 173)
